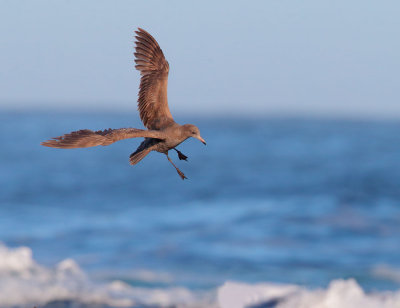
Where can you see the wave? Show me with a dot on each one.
(340, 293)
(25, 283)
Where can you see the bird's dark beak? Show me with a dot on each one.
(202, 140)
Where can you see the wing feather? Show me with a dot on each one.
(85, 138)
(152, 101)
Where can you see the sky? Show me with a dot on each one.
(324, 58)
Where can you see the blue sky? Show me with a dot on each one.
(330, 58)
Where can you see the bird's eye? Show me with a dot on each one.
(194, 133)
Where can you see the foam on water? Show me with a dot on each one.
(340, 293)
(24, 282)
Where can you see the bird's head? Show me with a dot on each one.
(193, 131)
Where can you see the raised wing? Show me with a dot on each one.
(153, 100)
(86, 138)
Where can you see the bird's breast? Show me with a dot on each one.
(167, 145)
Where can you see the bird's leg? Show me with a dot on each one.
(181, 156)
(177, 170)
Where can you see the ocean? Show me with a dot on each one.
(277, 212)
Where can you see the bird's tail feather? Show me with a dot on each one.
(137, 156)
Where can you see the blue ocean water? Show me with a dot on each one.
(301, 201)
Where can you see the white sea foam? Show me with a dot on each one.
(340, 293)
(25, 283)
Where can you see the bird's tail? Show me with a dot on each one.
(143, 149)
(138, 155)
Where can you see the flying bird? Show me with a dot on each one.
(163, 133)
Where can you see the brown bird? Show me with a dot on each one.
(163, 133)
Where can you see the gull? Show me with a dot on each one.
(163, 133)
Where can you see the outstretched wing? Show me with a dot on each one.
(153, 100)
(86, 138)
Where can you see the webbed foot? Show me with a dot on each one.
(181, 156)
